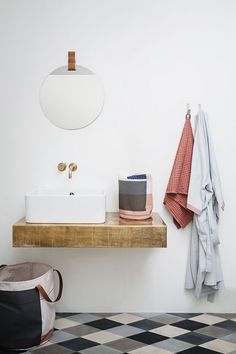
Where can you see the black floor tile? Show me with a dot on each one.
(148, 337)
(146, 324)
(189, 325)
(2, 351)
(194, 338)
(67, 314)
(198, 350)
(103, 324)
(78, 344)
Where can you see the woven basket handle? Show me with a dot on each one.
(45, 295)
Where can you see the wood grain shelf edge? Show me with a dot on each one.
(114, 233)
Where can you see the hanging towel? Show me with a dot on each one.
(135, 196)
(204, 199)
(176, 193)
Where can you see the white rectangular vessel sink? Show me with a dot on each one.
(65, 206)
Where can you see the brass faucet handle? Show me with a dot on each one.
(61, 166)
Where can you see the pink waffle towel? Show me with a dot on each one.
(177, 190)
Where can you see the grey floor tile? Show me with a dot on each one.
(52, 349)
(214, 331)
(173, 345)
(81, 330)
(101, 349)
(166, 318)
(227, 316)
(230, 338)
(125, 344)
(46, 344)
(147, 314)
(84, 317)
(79, 344)
(228, 324)
(186, 314)
(104, 314)
(125, 330)
(60, 336)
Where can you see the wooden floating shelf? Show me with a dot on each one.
(114, 233)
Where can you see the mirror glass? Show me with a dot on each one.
(71, 99)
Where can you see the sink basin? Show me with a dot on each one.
(65, 206)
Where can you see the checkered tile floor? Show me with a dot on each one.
(141, 333)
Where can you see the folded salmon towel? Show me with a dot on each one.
(135, 196)
(177, 190)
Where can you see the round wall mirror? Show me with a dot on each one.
(71, 97)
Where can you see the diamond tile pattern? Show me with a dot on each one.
(140, 333)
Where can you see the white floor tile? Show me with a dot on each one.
(169, 331)
(208, 319)
(62, 323)
(102, 337)
(125, 318)
(220, 346)
(150, 350)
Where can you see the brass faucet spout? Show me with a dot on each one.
(72, 168)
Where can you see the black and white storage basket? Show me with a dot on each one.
(27, 308)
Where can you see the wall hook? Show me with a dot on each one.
(188, 114)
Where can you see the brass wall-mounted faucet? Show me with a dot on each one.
(72, 168)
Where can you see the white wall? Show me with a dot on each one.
(153, 57)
